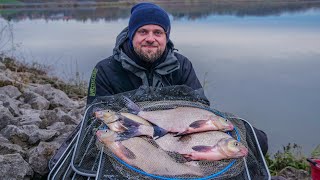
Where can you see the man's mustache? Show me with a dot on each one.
(150, 44)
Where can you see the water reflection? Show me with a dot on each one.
(191, 10)
(257, 60)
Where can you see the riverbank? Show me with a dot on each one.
(36, 117)
(17, 4)
(8, 4)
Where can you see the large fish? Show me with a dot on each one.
(142, 154)
(129, 125)
(182, 120)
(210, 145)
(109, 116)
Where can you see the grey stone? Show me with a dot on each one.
(15, 135)
(61, 127)
(77, 114)
(5, 80)
(6, 117)
(29, 111)
(2, 66)
(39, 103)
(36, 100)
(13, 166)
(56, 126)
(11, 104)
(24, 106)
(40, 156)
(56, 97)
(60, 139)
(10, 91)
(3, 139)
(291, 173)
(36, 135)
(29, 119)
(28, 134)
(9, 148)
(56, 115)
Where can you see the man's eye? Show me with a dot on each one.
(159, 33)
(142, 32)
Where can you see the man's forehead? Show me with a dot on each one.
(151, 27)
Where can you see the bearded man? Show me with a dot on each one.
(143, 55)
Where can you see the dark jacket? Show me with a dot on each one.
(120, 73)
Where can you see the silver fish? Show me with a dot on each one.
(109, 116)
(129, 125)
(211, 146)
(140, 153)
(182, 120)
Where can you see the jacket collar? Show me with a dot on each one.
(169, 64)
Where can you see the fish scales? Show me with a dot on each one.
(211, 146)
(177, 119)
(181, 120)
(175, 144)
(149, 158)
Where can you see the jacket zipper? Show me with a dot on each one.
(149, 76)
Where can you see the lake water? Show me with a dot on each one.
(259, 61)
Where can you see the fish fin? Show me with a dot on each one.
(188, 157)
(198, 124)
(132, 107)
(134, 131)
(202, 148)
(181, 133)
(126, 122)
(159, 132)
(127, 152)
(130, 133)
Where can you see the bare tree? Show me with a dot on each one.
(6, 38)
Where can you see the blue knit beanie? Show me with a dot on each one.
(148, 13)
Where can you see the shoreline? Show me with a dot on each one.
(86, 4)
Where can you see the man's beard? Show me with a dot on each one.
(148, 57)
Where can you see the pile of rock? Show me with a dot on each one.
(34, 121)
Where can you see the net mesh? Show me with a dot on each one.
(87, 154)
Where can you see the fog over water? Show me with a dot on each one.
(260, 64)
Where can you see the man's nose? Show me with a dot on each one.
(150, 37)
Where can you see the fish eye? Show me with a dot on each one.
(236, 143)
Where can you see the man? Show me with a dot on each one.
(143, 55)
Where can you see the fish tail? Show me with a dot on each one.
(132, 107)
(159, 132)
(128, 123)
(130, 133)
(134, 131)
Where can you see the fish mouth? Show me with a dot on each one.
(231, 127)
(244, 151)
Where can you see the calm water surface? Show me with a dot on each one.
(259, 63)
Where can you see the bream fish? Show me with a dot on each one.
(210, 145)
(140, 153)
(182, 120)
(129, 125)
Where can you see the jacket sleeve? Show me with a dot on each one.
(188, 76)
(99, 84)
